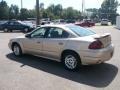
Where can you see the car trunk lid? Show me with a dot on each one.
(104, 38)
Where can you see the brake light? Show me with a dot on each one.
(96, 45)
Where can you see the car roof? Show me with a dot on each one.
(62, 26)
(57, 25)
(104, 19)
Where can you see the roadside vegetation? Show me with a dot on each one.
(108, 10)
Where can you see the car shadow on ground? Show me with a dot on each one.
(96, 75)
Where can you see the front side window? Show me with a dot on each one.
(6, 23)
(39, 33)
(57, 33)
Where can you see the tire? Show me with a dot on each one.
(71, 61)
(26, 30)
(17, 50)
(6, 30)
(11, 30)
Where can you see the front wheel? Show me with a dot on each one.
(17, 50)
(71, 61)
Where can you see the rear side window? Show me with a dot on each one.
(80, 31)
(11, 23)
(55, 32)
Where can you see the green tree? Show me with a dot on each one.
(93, 13)
(58, 10)
(109, 10)
(50, 11)
(13, 12)
(31, 13)
(24, 14)
(70, 13)
(4, 10)
(45, 14)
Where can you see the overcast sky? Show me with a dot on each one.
(76, 4)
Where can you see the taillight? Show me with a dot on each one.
(96, 45)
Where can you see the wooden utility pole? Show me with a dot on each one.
(21, 4)
(82, 7)
(38, 13)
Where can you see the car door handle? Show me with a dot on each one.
(60, 43)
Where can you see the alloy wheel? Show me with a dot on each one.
(70, 62)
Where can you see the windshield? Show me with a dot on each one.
(22, 22)
(80, 31)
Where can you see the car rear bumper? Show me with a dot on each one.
(104, 23)
(97, 56)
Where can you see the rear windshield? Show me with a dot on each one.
(80, 31)
(104, 20)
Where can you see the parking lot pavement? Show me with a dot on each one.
(33, 73)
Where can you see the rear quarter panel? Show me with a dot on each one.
(78, 44)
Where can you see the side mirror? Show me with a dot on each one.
(28, 35)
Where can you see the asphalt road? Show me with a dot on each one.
(33, 73)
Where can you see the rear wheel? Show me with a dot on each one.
(17, 50)
(71, 61)
(6, 30)
(10, 30)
